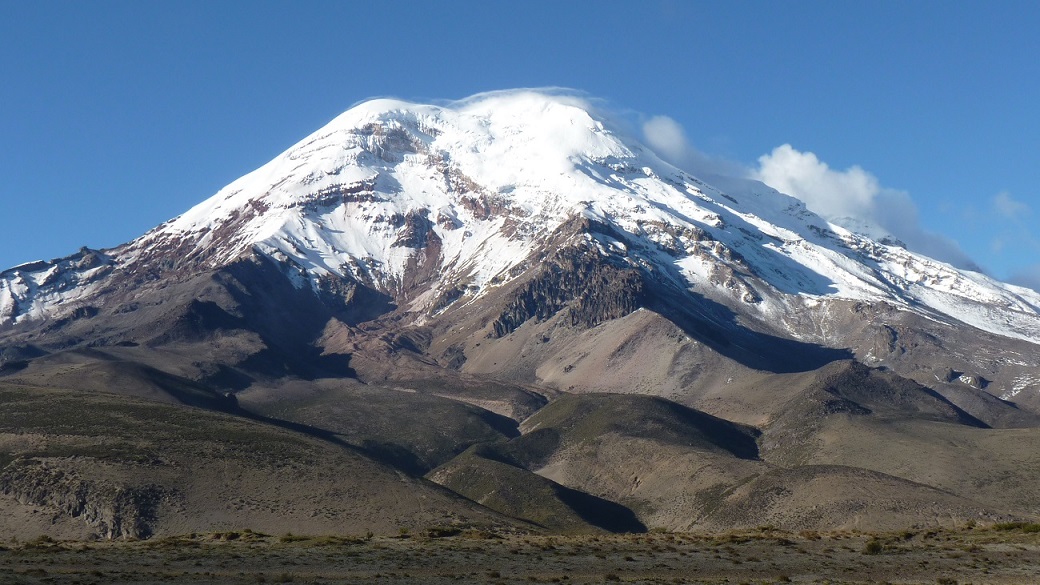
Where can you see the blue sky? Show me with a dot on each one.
(115, 116)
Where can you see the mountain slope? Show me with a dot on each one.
(129, 468)
(419, 283)
(414, 210)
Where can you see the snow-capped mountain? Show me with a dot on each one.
(440, 206)
(510, 288)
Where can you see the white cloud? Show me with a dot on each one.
(667, 139)
(855, 199)
(836, 195)
(1028, 277)
(1010, 208)
(1014, 233)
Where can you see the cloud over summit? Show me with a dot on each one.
(855, 199)
(852, 194)
(668, 139)
(1027, 277)
(852, 198)
(1010, 208)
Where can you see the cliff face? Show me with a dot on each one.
(113, 510)
(593, 289)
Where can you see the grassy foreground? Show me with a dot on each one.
(1002, 554)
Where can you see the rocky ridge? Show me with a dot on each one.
(508, 252)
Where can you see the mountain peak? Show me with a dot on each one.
(469, 191)
(530, 157)
(410, 275)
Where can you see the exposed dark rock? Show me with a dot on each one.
(448, 297)
(593, 288)
(886, 341)
(340, 193)
(114, 511)
(416, 227)
(977, 382)
(454, 357)
(19, 353)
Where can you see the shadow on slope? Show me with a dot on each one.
(886, 393)
(246, 320)
(846, 391)
(584, 287)
(656, 458)
(411, 430)
(829, 497)
(519, 493)
(94, 370)
(577, 418)
(129, 468)
(716, 324)
(718, 327)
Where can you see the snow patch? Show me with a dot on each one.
(481, 183)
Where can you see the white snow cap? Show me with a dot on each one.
(491, 176)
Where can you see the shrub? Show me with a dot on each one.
(1023, 526)
(442, 531)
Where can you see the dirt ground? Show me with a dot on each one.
(977, 556)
